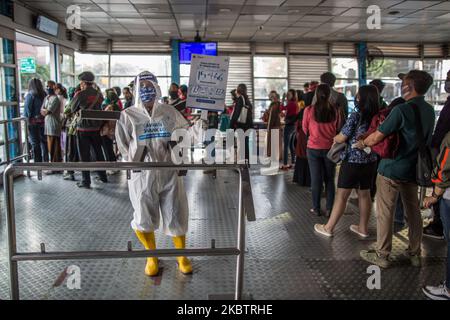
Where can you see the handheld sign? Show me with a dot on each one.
(208, 82)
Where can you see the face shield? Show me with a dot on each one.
(146, 89)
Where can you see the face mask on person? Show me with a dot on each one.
(147, 94)
(447, 86)
(50, 91)
(173, 94)
(406, 91)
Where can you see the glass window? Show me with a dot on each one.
(6, 51)
(8, 87)
(346, 72)
(102, 82)
(97, 63)
(270, 67)
(270, 73)
(389, 68)
(6, 8)
(264, 86)
(185, 72)
(67, 70)
(38, 52)
(121, 81)
(7, 84)
(132, 65)
(438, 68)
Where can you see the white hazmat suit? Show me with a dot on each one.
(153, 191)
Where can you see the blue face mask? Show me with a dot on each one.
(147, 94)
(50, 91)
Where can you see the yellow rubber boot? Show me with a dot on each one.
(184, 264)
(148, 241)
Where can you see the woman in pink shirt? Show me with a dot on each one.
(320, 124)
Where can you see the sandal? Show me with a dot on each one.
(320, 228)
(354, 229)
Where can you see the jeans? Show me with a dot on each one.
(38, 142)
(288, 146)
(322, 170)
(445, 217)
(86, 141)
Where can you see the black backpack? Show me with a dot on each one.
(424, 166)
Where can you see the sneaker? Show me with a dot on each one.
(98, 179)
(69, 177)
(83, 185)
(431, 232)
(320, 228)
(315, 212)
(415, 260)
(373, 257)
(355, 229)
(437, 293)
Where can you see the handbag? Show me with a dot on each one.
(335, 152)
(243, 115)
(424, 165)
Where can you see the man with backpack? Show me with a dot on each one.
(397, 176)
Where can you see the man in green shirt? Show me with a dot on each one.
(398, 176)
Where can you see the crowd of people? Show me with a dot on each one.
(375, 148)
(378, 147)
(56, 131)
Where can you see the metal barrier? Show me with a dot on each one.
(6, 142)
(245, 210)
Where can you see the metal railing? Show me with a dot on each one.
(6, 141)
(245, 210)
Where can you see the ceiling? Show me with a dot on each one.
(257, 20)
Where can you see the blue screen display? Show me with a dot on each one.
(204, 48)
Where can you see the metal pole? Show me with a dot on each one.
(27, 151)
(8, 184)
(5, 130)
(240, 244)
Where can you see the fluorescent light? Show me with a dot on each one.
(225, 10)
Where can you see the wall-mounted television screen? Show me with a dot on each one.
(186, 49)
(46, 25)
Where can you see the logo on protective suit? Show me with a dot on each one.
(154, 130)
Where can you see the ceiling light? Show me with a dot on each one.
(218, 33)
(153, 9)
(292, 34)
(167, 32)
(223, 10)
(293, 11)
(268, 33)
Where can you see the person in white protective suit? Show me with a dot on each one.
(154, 193)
